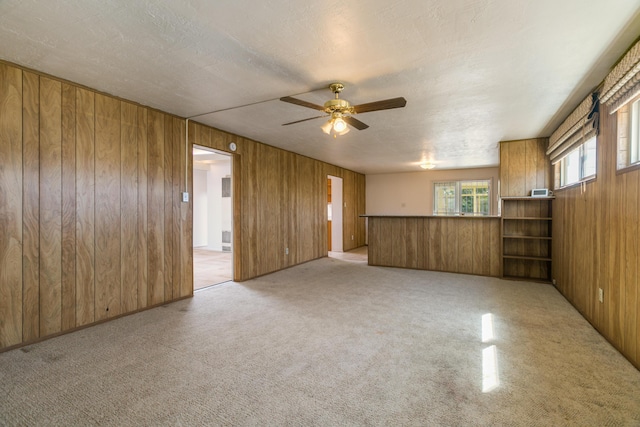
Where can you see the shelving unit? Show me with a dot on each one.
(526, 238)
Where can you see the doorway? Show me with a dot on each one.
(212, 217)
(334, 214)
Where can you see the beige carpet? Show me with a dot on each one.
(332, 343)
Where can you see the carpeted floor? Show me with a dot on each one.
(332, 343)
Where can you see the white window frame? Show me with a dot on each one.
(586, 151)
(629, 134)
(458, 184)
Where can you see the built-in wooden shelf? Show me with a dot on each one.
(532, 258)
(526, 238)
(527, 218)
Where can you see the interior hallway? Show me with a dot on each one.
(211, 267)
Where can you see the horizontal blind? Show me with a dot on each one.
(623, 82)
(580, 126)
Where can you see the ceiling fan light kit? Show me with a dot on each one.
(341, 111)
(427, 165)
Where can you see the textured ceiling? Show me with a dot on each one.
(474, 72)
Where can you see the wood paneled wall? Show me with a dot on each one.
(596, 235)
(451, 244)
(524, 166)
(281, 204)
(90, 213)
(91, 220)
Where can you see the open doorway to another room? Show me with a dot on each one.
(212, 218)
(335, 243)
(334, 214)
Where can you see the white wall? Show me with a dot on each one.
(337, 244)
(200, 206)
(411, 193)
(212, 213)
(219, 208)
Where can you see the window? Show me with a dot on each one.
(629, 134)
(579, 165)
(462, 197)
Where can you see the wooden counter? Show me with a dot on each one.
(456, 244)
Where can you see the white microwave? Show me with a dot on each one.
(541, 192)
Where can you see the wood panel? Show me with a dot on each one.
(523, 166)
(128, 207)
(432, 243)
(155, 204)
(10, 206)
(108, 287)
(596, 234)
(142, 212)
(177, 147)
(465, 245)
(30, 206)
(99, 212)
(85, 207)
(168, 208)
(68, 206)
(50, 206)
(282, 197)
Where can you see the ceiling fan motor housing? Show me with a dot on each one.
(337, 105)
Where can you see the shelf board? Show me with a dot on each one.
(512, 236)
(530, 258)
(528, 218)
(527, 198)
(527, 279)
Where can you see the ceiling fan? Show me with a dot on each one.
(340, 111)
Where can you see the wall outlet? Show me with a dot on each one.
(600, 295)
(553, 282)
(185, 197)
(286, 251)
(352, 237)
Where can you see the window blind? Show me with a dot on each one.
(623, 82)
(581, 125)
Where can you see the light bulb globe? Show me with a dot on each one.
(339, 125)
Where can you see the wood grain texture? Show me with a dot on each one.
(155, 206)
(142, 212)
(595, 246)
(523, 166)
(108, 295)
(168, 208)
(98, 211)
(177, 146)
(68, 206)
(128, 207)
(525, 233)
(85, 207)
(50, 206)
(11, 163)
(465, 245)
(31, 206)
(432, 243)
(282, 200)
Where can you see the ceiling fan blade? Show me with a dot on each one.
(303, 120)
(302, 103)
(387, 104)
(355, 123)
